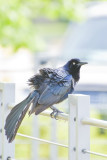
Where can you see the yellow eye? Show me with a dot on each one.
(73, 63)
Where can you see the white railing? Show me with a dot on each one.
(78, 119)
(7, 95)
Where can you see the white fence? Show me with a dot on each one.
(78, 119)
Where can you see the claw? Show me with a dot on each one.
(55, 113)
(52, 114)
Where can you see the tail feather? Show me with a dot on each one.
(12, 116)
(34, 105)
(15, 112)
(12, 121)
(13, 129)
(16, 116)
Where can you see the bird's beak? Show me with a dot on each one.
(82, 63)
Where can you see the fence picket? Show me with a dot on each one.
(79, 135)
(7, 95)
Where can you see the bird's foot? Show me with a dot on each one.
(55, 112)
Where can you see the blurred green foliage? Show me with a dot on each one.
(17, 27)
(17, 19)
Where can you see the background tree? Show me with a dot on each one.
(16, 19)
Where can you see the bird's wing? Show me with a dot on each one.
(36, 81)
(46, 73)
(56, 90)
(53, 74)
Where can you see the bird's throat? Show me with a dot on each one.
(76, 74)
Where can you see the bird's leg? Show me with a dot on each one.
(55, 112)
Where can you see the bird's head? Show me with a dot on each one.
(73, 67)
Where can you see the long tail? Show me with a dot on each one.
(16, 116)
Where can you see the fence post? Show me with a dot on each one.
(35, 144)
(53, 148)
(79, 135)
(7, 95)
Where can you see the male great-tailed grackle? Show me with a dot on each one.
(50, 86)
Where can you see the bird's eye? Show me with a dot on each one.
(73, 63)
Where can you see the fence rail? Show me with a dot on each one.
(94, 153)
(78, 119)
(85, 121)
(95, 122)
(42, 140)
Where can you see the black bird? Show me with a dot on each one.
(50, 86)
